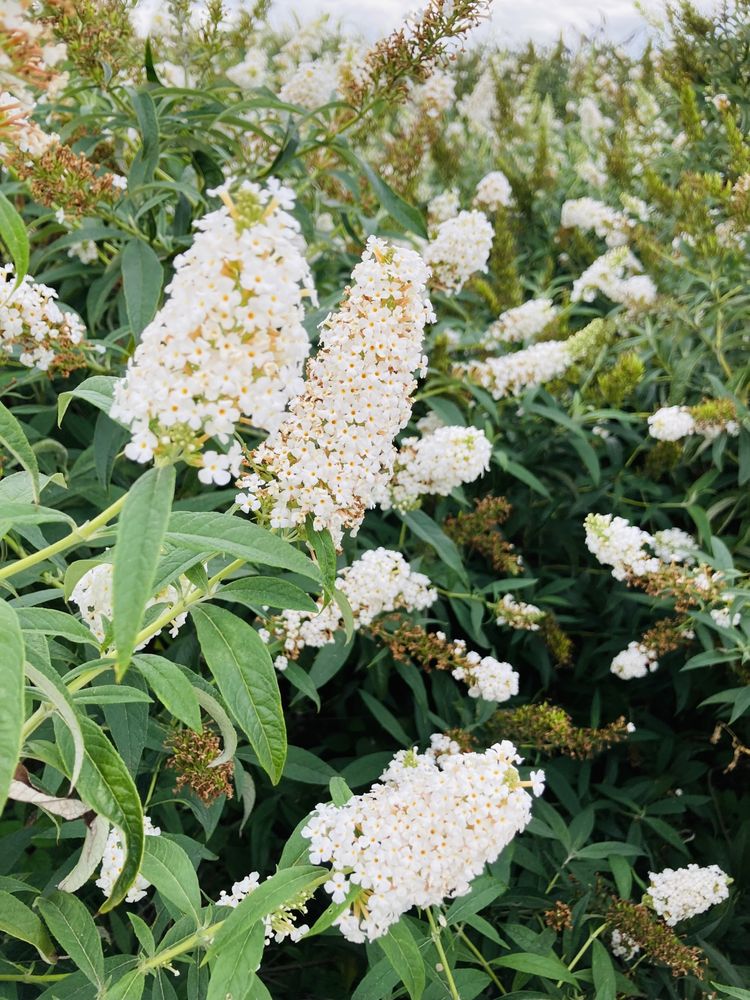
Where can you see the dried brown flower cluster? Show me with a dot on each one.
(412, 51)
(667, 635)
(60, 177)
(407, 641)
(560, 917)
(191, 757)
(99, 36)
(688, 588)
(24, 55)
(557, 642)
(477, 530)
(550, 729)
(640, 925)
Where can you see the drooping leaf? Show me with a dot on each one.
(12, 700)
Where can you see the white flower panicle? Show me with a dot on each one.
(673, 545)
(461, 247)
(436, 463)
(615, 274)
(589, 214)
(333, 455)
(420, 834)
(278, 925)
(93, 596)
(493, 191)
(379, 582)
(228, 343)
(486, 677)
(725, 618)
(634, 662)
(434, 95)
(511, 374)
(623, 946)
(33, 329)
(113, 861)
(312, 84)
(671, 423)
(617, 543)
(518, 614)
(442, 207)
(681, 893)
(522, 323)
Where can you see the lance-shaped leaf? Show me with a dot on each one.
(13, 438)
(18, 920)
(74, 929)
(240, 662)
(140, 533)
(12, 700)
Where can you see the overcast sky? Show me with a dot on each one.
(512, 20)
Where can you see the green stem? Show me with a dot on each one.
(442, 956)
(29, 977)
(199, 939)
(585, 947)
(482, 960)
(75, 537)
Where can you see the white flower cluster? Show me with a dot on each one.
(724, 618)
(593, 123)
(114, 859)
(436, 94)
(617, 543)
(280, 924)
(681, 893)
(442, 207)
(461, 247)
(511, 374)
(623, 946)
(672, 423)
(436, 463)
(493, 191)
(93, 596)
(16, 123)
(634, 662)
(609, 275)
(311, 85)
(518, 614)
(33, 328)
(522, 323)
(229, 342)
(421, 833)
(333, 455)
(673, 545)
(588, 213)
(380, 581)
(487, 677)
(251, 71)
(86, 251)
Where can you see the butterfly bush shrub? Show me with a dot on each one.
(374, 507)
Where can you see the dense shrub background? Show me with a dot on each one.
(168, 113)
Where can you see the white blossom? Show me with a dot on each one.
(522, 323)
(487, 677)
(436, 463)
(311, 85)
(113, 861)
(671, 423)
(673, 545)
(461, 247)
(229, 342)
(612, 275)
(333, 455)
(493, 191)
(634, 662)
(617, 543)
(623, 946)
(678, 894)
(279, 924)
(518, 615)
(421, 834)
(589, 214)
(33, 328)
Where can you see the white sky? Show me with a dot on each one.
(512, 20)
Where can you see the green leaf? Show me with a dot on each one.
(12, 701)
(171, 687)
(387, 719)
(146, 159)
(269, 896)
(74, 929)
(140, 533)
(14, 236)
(142, 277)
(106, 785)
(403, 953)
(92, 853)
(401, 211)
(603, 970)
(48, 681)
(240, 662)
(732, 991)
(13, 438)
(236, 964)
(46, 621)
(18, 920)
(546, 966)
(425, 528)
(340, 791)
(98, 390)
(267, 591)
(623, 875)
(597, 852)
(213, 532)
(325, 555)
(129, 987)
(168, 867)
(378, 983)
